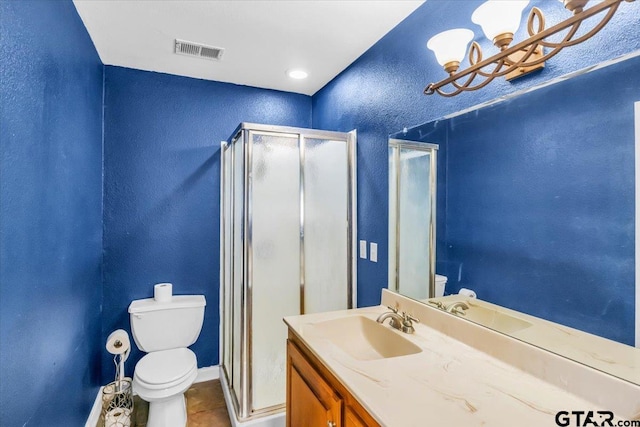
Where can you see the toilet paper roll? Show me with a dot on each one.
(118, 342)
(163, 292)
(467, 292)
(118, 417)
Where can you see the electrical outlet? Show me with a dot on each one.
(373, 252)
(363, 249)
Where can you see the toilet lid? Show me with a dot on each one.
(161, 367)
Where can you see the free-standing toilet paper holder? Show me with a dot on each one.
(117, 396)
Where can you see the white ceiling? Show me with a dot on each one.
(262, 39)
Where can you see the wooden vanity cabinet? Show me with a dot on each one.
(351, 419)
(315, 398)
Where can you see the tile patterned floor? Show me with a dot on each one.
(205, 407)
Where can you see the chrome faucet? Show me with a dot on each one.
(402, 322)
(453, 308)
(396, 319)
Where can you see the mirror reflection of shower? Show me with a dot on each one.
(637, 149)
(412, 212)
(287, 233)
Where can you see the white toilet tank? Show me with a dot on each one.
(441, 282)
(166, 325)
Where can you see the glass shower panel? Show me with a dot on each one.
(326, 225)
(393, 220)
(275, 275)
(263, 237)
(238, 264)
(414, 199)
(227, 235)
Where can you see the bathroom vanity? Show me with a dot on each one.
(315, 396)
(344, 369)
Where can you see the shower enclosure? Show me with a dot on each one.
(412, 217)
(287, 231)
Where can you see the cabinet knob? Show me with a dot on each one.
(331, 424)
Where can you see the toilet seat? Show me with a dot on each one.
(164, 369)
(178, 368)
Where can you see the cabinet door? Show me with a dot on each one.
(311, 402)
(351, 419)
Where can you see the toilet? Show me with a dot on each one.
(441, 283)
(164, 330)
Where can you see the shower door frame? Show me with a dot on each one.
(432, 149)
(243, 134)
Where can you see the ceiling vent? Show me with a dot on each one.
(200, 50)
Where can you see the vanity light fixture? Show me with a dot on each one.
(500, 20)
(297, 74)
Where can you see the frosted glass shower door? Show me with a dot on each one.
(237, 285)
(413, 237)
(274, 210)
(326, 225)
(412, 218)
(226, 258)
(288, 220)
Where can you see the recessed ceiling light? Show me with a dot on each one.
(297, 74)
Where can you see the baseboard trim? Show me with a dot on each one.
(94, 415)
(207, 374)
(204, 374)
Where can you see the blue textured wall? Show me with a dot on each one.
(381, 93)
(162, 187)
(50, 215)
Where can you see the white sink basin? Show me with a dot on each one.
(365, 339)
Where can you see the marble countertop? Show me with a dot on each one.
(449, 383)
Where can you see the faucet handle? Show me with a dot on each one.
(395, 310)
(438, 304)
(409, 317)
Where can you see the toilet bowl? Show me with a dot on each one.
(164, 330)
(161, 378)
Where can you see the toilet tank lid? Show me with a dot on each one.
(177, 301)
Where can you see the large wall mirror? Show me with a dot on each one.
(539, 213)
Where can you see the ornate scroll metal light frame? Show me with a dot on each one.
(525, 56)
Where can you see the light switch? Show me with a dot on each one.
(373, 252)
(363, 249)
